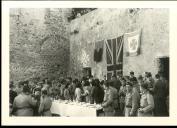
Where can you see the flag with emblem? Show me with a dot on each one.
(132, 41)
(114, 56)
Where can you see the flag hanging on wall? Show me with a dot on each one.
(114, 56)
(132, 41)
(98, 52)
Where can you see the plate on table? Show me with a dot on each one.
(91, 106)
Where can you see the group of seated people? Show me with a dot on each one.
(120, 96)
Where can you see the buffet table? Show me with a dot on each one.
(73, 109)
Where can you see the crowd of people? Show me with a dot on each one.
(120, 96)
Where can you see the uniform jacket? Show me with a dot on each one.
(122, 93)
(45, 105)
(108, 101)
(23, 105)
(132, 101)
(147, 104)
(115, 97)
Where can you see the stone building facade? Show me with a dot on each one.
(110, 23)
(44, 44)
(39, 43)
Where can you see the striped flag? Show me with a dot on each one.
(114, 56)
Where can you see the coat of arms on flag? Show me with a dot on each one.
(132, 41)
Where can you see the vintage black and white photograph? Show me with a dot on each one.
(89, 62)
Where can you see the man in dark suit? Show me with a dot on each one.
(160, 97)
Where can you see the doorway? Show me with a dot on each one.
(164, 67)
(87, 72)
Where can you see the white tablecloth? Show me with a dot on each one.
(72, 110)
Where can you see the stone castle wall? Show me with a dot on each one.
(109, 23)
(39, 43)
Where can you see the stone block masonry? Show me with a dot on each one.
(39, 43)
(109, 23)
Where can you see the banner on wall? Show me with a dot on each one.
(114, 56)
(133, 42)
(98, 52)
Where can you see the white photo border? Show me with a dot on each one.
(6, 120)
